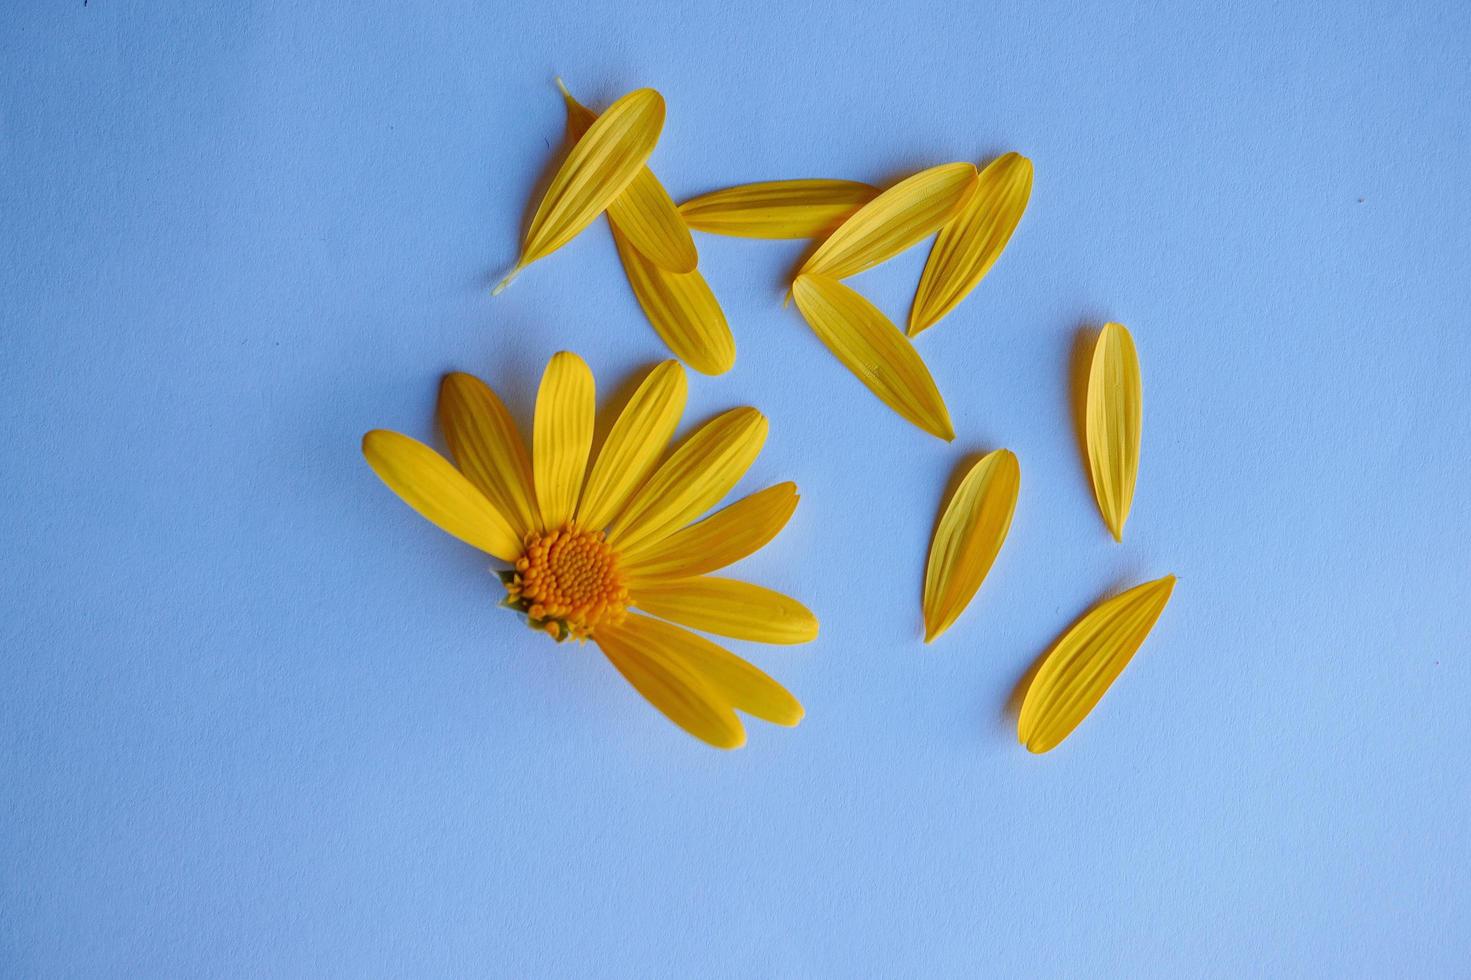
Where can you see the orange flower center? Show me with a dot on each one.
(567, 582)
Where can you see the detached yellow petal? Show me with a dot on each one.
(693, 479)
(726, 607)
(970, 243)
(723, 538)
(682, 309)
(899, 217)
(579, 117)
(563, 436)
(968, 538)
(669, 683)
(647, 217)
(1115, 411)
(633, 445)
(1085, 661)
(601, 165)
(428, 483)
(874, 349)
(777, 208)
(644, 211)
(483, 438)
(733, 680)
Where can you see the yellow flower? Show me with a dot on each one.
(595, 552)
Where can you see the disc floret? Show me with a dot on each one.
(567, 582)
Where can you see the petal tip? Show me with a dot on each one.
(509, 278)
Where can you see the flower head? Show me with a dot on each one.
(596, 552)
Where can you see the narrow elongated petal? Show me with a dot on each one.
(563, 436)
(777, 208)
(1115, 411)
(682, 309)
(1085, 661)
(644, 212)
(968, 538)
(633, 445)
(488, 449)
(735, 681)
(669, 683)
(972, 241)
(874, 349)
(693, 479)
(727, 607)
(898, 218)
(428, 483)
(600, 167)
(721, 539)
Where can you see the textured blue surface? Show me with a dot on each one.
(257, 718)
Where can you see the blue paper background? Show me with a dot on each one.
(256, 718)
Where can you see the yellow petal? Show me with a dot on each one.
(873, 348)
(428, 483)
(682, 309)
(563, 436)
(693, 479)
(579, 116)
(970, 243)
(633, 445)
(734, 681)
(600, 167)
(729, 608)
(724, 537)
(644, 212)
(669, 683)
(777, 208)
(893, 221)
(1115, 410)
(1085, 661)
(968, 538)
(482, 437)
(647, 217)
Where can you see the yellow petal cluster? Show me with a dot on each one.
(601, 546)
(606, 545)
(661, 263)
(602, 163)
